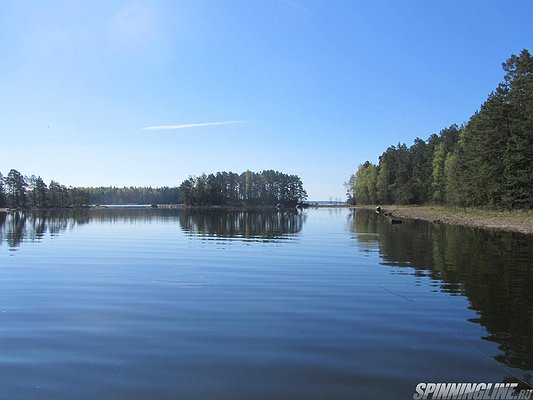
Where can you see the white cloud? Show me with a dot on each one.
(183, 126)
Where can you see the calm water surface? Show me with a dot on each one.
(190, 304)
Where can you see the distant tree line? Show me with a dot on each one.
(223, 188)
(486, 162)
(132, 195)
(249, 188)
(17, 191)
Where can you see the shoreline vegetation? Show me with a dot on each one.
(265, 188)
(486, 162)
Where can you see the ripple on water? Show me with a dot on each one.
(190, 306)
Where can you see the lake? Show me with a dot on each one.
(214, 304)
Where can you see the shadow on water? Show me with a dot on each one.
(492, 269)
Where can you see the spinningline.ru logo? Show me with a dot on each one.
(476, 391)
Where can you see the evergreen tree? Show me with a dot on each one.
(421, 171)
(16, 188)
(186, 191)
(249, 188)
(485, 139)
(487, 162)
(518, 156)
(401, 185)
(38, 192)
(78, 197)
(58, 195)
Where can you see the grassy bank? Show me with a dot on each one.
(516, 221)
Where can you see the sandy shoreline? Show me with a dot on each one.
(514, 221)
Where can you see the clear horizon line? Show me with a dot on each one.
(195, 125)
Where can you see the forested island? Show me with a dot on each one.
(266, 188)
(249, 188)
(486, 162)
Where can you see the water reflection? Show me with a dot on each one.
(20, 226)
(492, 269)
(264, 225)
(252, 225)
(31, 226)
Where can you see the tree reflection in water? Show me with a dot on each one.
(492, 269)
(249, 225)
(264, 225)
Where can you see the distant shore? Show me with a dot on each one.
(513, 221)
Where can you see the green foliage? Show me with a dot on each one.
(518, 154)
(438, 183)
(484, 143)
(365, 184)
(443, 144)
(58, 195)
(124, 195)
(487, 162)
(34, 193)
(383, 183)
(223, 188)
(350, 189)
(454, 195)
(249, 188)
(421, 154)
(16, 189)
(38, 193)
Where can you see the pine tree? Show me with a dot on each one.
(518, 157)
(16, 188)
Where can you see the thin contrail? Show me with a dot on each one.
(183, 126)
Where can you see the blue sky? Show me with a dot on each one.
(312, 88)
